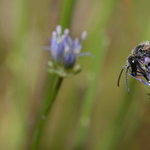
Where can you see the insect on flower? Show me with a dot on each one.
(65, 52)
(138, 64)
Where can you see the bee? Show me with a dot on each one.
(138, 64)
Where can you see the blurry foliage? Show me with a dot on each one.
(116, 120)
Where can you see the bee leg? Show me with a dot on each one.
(140, 74)
(143, 72)
(127, 80)
(121, 74)
(139, 80)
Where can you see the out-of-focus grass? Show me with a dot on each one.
(67, 7)
(100, 44)
(118, 121)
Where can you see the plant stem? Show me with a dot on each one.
(44, 114)
(88, 103)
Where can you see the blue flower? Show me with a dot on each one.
(65, 52)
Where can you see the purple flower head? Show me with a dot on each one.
(65, 51)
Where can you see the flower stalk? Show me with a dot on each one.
(44, 114)
(64, 54)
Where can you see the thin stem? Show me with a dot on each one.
(100, 46)
(88, 103)
(58, 84)
(43, 116)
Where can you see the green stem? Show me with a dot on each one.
(66, 12)
(43, 116)
(88, 103)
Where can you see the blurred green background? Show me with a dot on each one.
(90, 112)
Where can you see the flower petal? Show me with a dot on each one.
(58, 30)
(66, 32)
(83, 36)
(60, 52)
(53, 48)
(85, 54)
(54, 35)
(76, 46)
(69, 60)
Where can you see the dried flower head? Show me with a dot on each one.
(65, 52)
